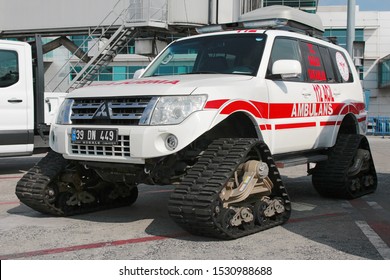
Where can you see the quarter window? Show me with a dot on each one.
(9, 72)
(342, 69)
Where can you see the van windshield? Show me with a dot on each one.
(221, 54)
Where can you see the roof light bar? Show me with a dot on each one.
(210, 28)
(273, 17)
(268, 23)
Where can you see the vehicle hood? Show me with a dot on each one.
(156, 86)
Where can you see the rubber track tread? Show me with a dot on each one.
(330, 178)
(31, 188)
(193, 202)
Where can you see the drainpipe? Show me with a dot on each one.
(351, 26)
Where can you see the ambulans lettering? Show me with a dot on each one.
(322, 107)
(311, 110)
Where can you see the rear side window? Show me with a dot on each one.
(343, 72)
(9, 72)
(328, 65)
(313, 62)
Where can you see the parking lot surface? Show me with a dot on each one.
(319, 228)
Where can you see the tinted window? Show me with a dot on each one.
(228, 54)
(327, 62)
(9, 73)
(313, 62)
(285, 48)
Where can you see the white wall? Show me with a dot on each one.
(376, 27)
(50, 14)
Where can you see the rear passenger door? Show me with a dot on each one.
(292, 101)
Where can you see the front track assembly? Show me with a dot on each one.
(58, 187)
(233, 190)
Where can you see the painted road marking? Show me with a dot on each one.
(89, 246)
(374, 205)
(130, 241)
(302, 206)
(375, 240)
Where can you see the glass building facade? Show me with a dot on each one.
(384, 72)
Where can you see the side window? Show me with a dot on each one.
(342, 70)
(285, 48)
(9, 73)
(312, 59)
(327, 62)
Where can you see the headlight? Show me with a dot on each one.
(175, 109)
(64, 112)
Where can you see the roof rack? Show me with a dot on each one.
(273, 17)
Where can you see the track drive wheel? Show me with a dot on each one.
(233, 190)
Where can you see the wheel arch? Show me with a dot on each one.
(239, 124)
(348, 125)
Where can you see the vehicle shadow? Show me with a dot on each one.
(323, 221)
(19, 165)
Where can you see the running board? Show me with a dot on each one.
(289, 160)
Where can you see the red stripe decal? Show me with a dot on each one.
(330, 123)
(362, 119)
(215, 104)
(9, 202)
(241, 106)
(88, 246)
(265, 127)
(295, 125)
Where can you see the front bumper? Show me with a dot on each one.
(135, 143)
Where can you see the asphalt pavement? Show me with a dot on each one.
(319, 228)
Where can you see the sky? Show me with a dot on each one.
(364, 5)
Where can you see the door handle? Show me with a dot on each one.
(14, 100)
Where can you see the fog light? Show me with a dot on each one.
(171, 142)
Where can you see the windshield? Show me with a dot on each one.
(222, 54)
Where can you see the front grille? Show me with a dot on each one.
(111, 111)
(120, 150)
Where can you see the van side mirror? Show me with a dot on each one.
(138, 73)
(286, 68)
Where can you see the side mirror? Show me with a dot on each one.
(138, 73)
(287, 68)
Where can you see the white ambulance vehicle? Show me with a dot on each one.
(215, 114)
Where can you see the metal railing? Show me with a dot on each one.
(378, 126)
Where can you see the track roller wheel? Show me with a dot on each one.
(219, 195)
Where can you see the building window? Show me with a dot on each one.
(384, 72)
(112, 73)
(341, 35)
(82, 42)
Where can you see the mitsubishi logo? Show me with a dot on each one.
(102, 112)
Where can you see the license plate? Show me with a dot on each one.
(88, 136)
